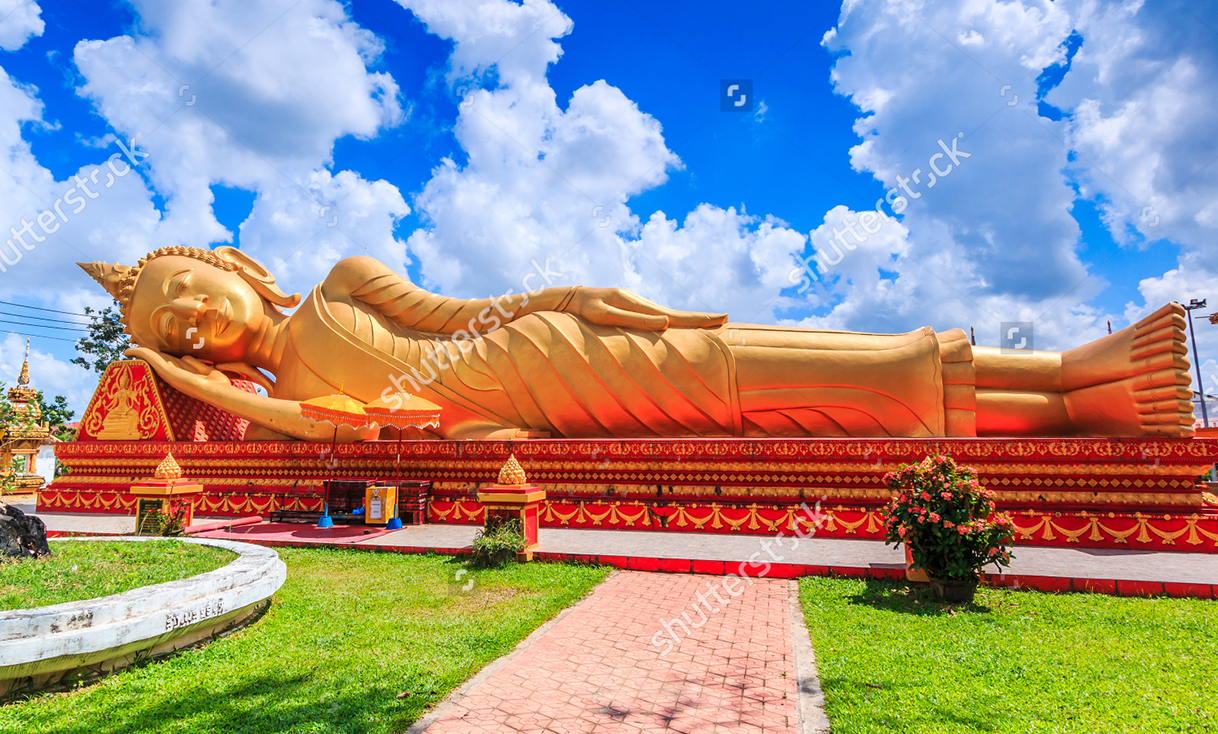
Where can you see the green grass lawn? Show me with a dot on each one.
(1015, 661)
(78, 570)
(353, 642)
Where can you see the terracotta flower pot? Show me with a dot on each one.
(917, 577)
(954, 591)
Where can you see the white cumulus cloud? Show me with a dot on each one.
(20, 20)
(549, 180)
(253, 95)
(995, 241)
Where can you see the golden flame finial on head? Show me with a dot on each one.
(110, 276)
(168, 469)
(512, 473)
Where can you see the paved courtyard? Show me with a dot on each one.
(643, 654)
(1129, 564)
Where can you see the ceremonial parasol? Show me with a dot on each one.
(403, 410)
(338, 410)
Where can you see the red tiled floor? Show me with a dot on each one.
(597, 670)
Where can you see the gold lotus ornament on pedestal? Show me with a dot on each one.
(163, 497)
(512, 496)
(511, 474)
(168, 469)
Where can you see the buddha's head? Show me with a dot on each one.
(210, 304)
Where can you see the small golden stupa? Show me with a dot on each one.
(24, 435)
(168, 469)
(512, 474)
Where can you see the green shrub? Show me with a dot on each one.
(946, 518)
(499, 542)
(167, 525)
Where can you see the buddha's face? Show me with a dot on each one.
(183, 306)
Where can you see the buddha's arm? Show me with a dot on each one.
(204, 382)
(370, 281)
(395, 297)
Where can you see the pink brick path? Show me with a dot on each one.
(596, 669)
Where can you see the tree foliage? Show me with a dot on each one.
(106, 341)
(58, 415)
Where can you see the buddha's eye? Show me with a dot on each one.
(168, 328)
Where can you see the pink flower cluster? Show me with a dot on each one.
(945, 516)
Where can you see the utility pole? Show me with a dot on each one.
(1193, 305)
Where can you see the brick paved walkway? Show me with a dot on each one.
(597, 669)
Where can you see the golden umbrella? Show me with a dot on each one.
(338, 410)
(402, 410)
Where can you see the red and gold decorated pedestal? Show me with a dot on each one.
(166, 493)
(512, 497)
(1123, 493)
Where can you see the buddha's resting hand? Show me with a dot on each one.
(618, 307)
(187, 374)
(204, 382)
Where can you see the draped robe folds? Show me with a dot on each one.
(556, 372)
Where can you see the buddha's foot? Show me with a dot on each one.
(1134, 382)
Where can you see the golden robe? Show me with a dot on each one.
(555, 372)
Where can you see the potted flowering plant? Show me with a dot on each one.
(948, 523)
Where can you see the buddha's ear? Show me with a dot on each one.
(259, 278)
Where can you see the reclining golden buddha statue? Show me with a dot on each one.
(604, 362)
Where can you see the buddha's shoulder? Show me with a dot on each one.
(350, 274)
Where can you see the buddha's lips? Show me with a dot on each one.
(221, 317)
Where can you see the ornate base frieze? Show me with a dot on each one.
(1099, 492)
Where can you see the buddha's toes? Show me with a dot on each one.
(1153, 350)
(1135, 381)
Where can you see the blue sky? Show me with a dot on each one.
(1045, 222)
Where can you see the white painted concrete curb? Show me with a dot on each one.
(62, 636)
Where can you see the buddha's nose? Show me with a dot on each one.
(192, 308)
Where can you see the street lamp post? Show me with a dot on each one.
(1193, 305)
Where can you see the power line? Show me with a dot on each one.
(40, 326)
(42, 318)
(39, 336)
(52, 310)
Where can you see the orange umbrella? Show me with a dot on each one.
(403, 410)
(339, 410)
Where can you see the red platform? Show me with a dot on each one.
(1136, 492)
